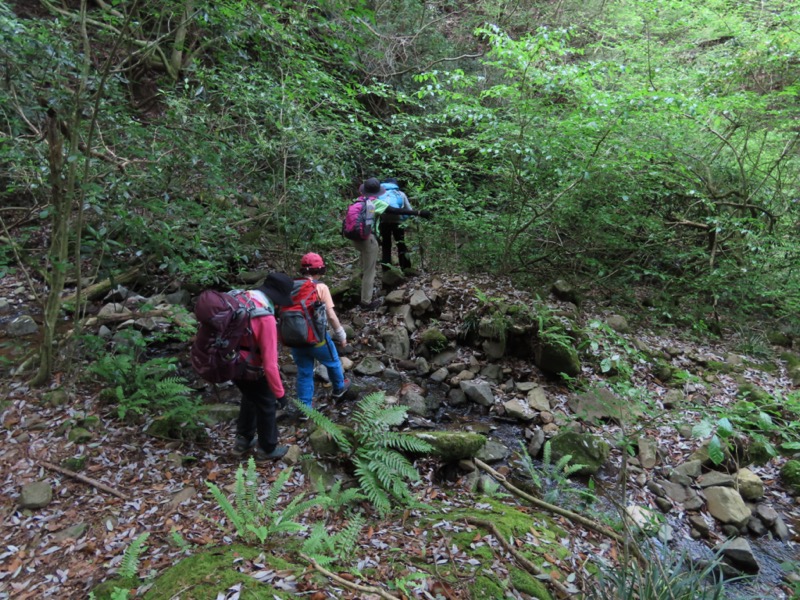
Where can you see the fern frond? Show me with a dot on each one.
(233, 515)
(130, 560)
(572, 469)
(275, 491)
(346, 539)
(546, 454)
(328, 426)
(405, 442)
(371, 486)
(562, 463)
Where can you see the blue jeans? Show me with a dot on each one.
(304, 359)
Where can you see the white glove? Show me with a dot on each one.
(340, 336)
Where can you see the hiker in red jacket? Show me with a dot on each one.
(261, 396)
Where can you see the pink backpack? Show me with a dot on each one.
(359, 220)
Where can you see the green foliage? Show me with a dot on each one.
(148, 387)
(382, 471)
(129, 567)
(337, 498)
(257, 517)
(665, 574)
(552, 480)
(339, 547)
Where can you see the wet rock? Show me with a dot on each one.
(749, 484)
(440, 375)
(36, 495)
(586, 449)
(726, 505)
(537, 399)
(422, 366)
(479, 392)
(369, 365)
(739, 553)
(417, 404)
(21, 326)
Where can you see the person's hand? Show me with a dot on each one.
(426, 214)
(340, 337)
(282, 402)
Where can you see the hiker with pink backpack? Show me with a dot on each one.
(303, 328)
(359, 226)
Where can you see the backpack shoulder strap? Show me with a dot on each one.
(262, 308)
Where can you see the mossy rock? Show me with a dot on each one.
(450, 446)
(555, 359)
(75, 463)
(790, 475)
(434, 340)
(585, 449)
(79, 435)
(57, 397)
(755, 394)
(714, 366)
(209, 573)
(662, 371)
(176, 429)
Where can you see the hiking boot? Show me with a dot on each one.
(340, 394)
(277, 453)
(243, 444)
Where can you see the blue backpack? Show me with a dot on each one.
(393, 197)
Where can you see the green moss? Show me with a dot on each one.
(755, 394)
(434, 340)
(211, 572)
(790, 474)
(76, 463)
(714, 366)
(485, 588)
(453, 445)
(525, 583)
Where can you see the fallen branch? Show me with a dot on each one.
(99, 289)
(93, 482)
(366, 589)
(557, 510)
(532, 568)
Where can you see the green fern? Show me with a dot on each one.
(255, 519)
(553, 479)
(129, 566)
(336, 498)
(339, 547)
(328, 426)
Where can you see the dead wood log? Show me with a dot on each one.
(97, 290)
(84, 479)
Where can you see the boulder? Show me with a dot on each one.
(36, 495)
(450, 446)
(618, 323)
(738, 553)
(493, 451)
(21, 326)
(537, 399)
(420, 303)
(586, 449)
(749, 485)
(396, 342)
(518, 409)
(726, 505)
(555, 359)
(370, 365)
(479, 392)
(601, 404)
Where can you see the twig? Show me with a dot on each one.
(367, 589)
(552, 508)
(84, 479)
(532, 568)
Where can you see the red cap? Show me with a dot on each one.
(312, 261)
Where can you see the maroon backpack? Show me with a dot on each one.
(224, 320)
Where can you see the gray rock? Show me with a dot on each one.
(73, 532)
(79, 435)
(699, 523)
(600, 404)
(691, 468)
(655, 489)
(395, 297)
(676, 492)
(403, 313)
(537, 399)
(663, 504)
(397, 342)
(293, 455)
(479, 392)
(456, 397)
(150, 324)
(493, 372)
(739, 553)
(647, 452)
(185, 494)
(113, 309)
(555, 359)
(693, 501)
(518, 409)
(5, 306)
(21, 326)
(322, 443)
(370, 365)
(673, 398)
(726, 505)
(525, 386)
(536, 442)
(756, 527)
(181, 297)
(444, 358)
(493, 451)
(419, 405)
(420, 303)
(440, 375)
(36, 495)
(766, 513)
(749, 484)
(422, 366)
(104, 332)
(780, 530)
(494, 349)
(680, 478)
(715, 479)
(213, 414)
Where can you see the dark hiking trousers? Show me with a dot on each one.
(396, 230)
(257, 413)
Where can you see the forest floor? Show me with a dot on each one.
(135, 483)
